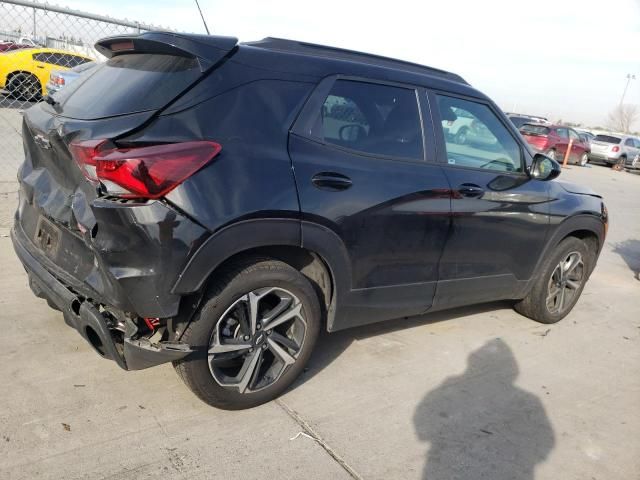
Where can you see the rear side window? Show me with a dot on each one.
(607, 139)
(629, 142)
(562, 132)
(371, 118)
(127, 84)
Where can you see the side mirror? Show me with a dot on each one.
(543, 168)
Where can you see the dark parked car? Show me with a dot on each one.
(519, 119)
(10, 46)
(553, 141)
(216, 204)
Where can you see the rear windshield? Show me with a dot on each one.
(607, 139)
(127, 84)
(528, 129)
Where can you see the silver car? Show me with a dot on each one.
(61, 78)
(614, 149)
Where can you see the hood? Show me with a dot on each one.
(579, 189)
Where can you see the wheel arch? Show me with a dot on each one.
(25, 72)
(587, 227)
(313, 250)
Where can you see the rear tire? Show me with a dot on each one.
(557, 289)
(551, 154)
(239, 359)
(24, 87)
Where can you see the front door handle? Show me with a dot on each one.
(331, 181)
(470, 190)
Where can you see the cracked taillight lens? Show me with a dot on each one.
(142, 172)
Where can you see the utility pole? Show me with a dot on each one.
(624, 92)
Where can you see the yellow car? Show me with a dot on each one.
(24, 73)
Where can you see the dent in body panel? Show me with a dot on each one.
(252, 176)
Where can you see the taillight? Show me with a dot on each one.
(615, 149)
(142, 172)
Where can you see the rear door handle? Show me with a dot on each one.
(470, 190)
(331, 181)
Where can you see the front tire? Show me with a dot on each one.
(584, 159)
(252, 336)
(462, 136)
(561, 281)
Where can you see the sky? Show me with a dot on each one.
(563, 59)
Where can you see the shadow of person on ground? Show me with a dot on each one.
(629, 250)
(480, 425)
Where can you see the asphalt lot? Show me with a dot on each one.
(479, 392)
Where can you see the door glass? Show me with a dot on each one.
(371, 118)
(475, 137)
(574, 136)
(562, 132)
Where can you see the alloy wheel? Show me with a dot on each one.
(584, 159)
(565, 282)
(256, 339)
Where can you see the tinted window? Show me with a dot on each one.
(629, 142)
(520, 121)
(46, 57)
(371, 118)
(487, 143)
(539, 130)
(562, 132)
(128, 83)
(607, 139)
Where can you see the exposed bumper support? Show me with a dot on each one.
(89, 322)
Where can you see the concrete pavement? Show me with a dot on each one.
(479, 392)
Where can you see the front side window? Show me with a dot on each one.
(371, 118)
(476, 138)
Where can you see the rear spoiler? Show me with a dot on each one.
(208, 49)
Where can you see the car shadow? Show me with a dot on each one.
(331, 345)
(629, 250)
(480, 425)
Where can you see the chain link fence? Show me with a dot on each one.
(42, 49)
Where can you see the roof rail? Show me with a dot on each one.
(312, 49)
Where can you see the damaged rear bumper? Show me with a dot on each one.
(94, 326)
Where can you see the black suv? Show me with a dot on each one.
(216, 204)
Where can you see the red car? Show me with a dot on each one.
(8, 46)
(553, 141)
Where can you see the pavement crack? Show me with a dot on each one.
(310, 431)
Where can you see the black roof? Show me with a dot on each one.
(323, 51)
